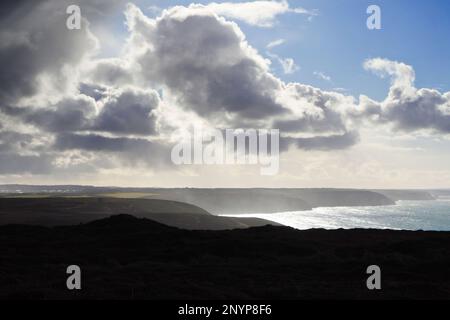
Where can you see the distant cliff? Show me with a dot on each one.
(240, 201)
(340, 197)
(397, 195)
(236, 201)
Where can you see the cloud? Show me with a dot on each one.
(402, 75)
(255, 13)
(60, 104)
(110, 72)
(323, 143)
(321, 119)
(205, 62)
(406, 108)
(70, 114)
(61, 108)
(288, 64)
(36, 49)
(13, 163)
(129, 151)
(129, 111)
(275, 43)
(64, 111)
(124, 111)
(14, 141)
(322, 76)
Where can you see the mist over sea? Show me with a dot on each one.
(405, 215)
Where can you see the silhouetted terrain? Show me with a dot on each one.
(127, 258)
(71, 211)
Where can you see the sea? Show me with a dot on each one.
(404, 215)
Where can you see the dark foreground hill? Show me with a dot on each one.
(72, 211)
(128, 258)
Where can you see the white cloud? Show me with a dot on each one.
(275, 43)
(260, 13)
(322, 76)
(406, 108)
(207, 67)
(288, 64)
(402, 75)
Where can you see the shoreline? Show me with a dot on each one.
(399, 215)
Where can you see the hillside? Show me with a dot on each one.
(340, 197)
(71, 211)
(128, 258)
(233, 201)
(397, 195)
(236, 201)
(215, 201)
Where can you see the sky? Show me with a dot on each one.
(104, 105)
(336, 41)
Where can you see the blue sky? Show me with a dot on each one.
(336, 42)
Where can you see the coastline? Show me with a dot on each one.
(407, 215)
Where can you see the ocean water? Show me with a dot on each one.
(405, 215)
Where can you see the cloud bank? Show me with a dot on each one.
(63, 109)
